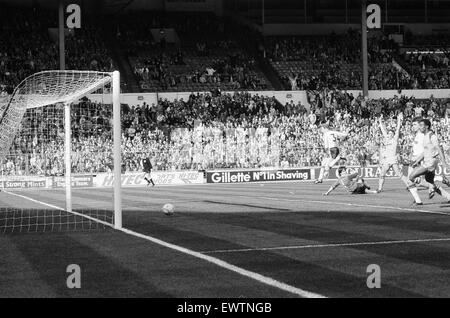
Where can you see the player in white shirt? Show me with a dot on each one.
(331, 140)
(417, 151)
(388, 153)
(426, 164)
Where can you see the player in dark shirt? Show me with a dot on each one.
(352, 182)
(148, 171)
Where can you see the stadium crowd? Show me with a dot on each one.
(333, 61)
(428, 70)
(216, 131)
(180, 69)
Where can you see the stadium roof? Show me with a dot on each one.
(284, 11)
(107, 5)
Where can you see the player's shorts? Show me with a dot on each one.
(334, 152)
(326, 162)
(388, 161)
(430, 164)
(429, 176)
(148, 174)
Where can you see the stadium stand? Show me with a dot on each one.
(27, 46)
(315, 62)
(198, 61)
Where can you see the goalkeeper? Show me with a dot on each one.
(352, 182)
(147, 164)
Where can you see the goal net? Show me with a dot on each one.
(53, 137)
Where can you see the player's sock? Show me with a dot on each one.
(151, 180)
(326, 173)
(322, 171)
(410, 169)
(380, 184)
(148, 181)
(432, 191)
(415, 194)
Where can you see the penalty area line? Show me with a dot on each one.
(210, 259)
(295, 247)
(351, 204)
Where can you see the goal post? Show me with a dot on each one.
(67, 155)
(117, 150)
(58, 90)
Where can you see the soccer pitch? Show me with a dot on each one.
(239, 240)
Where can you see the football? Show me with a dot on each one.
(168, 209)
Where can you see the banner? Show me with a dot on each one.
(195, 177)
(368, 172)
(80, 181)
(440, 170)
(373, 172)
(160, 178)
(23, 182)
(243, 176)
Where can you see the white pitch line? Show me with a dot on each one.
(253, 275)
(294, 247)
(241, 271)
(349, 204)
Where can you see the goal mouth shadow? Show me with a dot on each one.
(18, 220)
